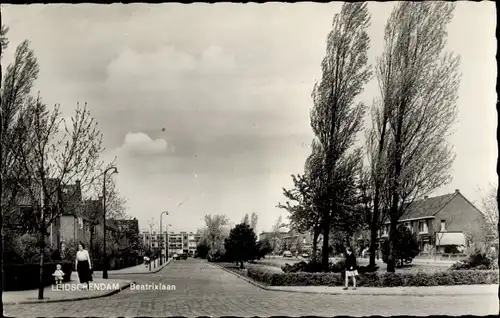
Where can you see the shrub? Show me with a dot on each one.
(308, 267)
(202, 250)
(373, 279)
(478, 260)
(27, 276)
(406, 247)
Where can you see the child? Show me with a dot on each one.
(58, 275)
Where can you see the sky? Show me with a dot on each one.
(206, 106)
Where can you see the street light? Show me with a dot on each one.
(161, 236)
(151, 224)
(105, 269)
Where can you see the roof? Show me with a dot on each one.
(427, 207)
(92, 208)
(71, 194)
(450, 238)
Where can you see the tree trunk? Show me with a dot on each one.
(391, 257)
(42, 250)
(326, 232)
(374, 228)
(1, 214)
(241, 265)
(314, 256)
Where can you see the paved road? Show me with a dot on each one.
(205, 290)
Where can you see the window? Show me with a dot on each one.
(422, 227)
(443, 226)
(386, 230)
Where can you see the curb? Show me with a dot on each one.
(156, 270)
(44, 301)
(248, 280)
(348, 292)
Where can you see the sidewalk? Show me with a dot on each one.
(70, 291)
(456, 290)
(139, 269)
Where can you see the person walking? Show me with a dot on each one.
(350, 268)
(83, 265)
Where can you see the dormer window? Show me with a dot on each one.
(443, 226)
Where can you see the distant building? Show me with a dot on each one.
(183, 242)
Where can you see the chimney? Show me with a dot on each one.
(457, 191)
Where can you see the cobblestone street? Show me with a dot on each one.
(203, 289)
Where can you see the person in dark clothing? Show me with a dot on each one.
(350, 268)
(83, 265)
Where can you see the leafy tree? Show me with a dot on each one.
(335, 117)
(406, 247)
(202, 250)
(304, 216)
(215, 231)
(241, 245)
(264, 247)
(418, 100)
(253, 221)
(488, 205)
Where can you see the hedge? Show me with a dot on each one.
(27, 276)
(465, 277)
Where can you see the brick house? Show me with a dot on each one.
(442, 221)
(66, 226)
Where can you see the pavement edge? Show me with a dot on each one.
(151, 272)
(349, 292)
(44, 301)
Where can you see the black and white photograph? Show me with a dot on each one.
(249, 159)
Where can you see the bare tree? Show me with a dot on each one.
(15, 93)
(92, 211)
(419, 95)
(489, 207)
(336, 118)
(275, 235)
(58, 164)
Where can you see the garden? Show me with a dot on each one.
(478, 268)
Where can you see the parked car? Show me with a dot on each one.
(184, 256)
(175, 257)
(305, 255)
(287, 254)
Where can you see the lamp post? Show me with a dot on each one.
(161, 236)
(105, 268)
(151, 224)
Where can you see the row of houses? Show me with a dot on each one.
(73, 218)
(439, 222)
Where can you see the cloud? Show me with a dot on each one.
(140, 144)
